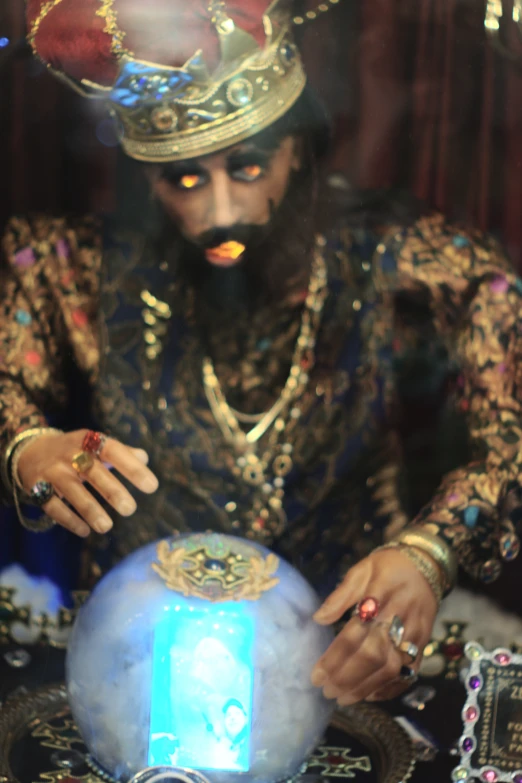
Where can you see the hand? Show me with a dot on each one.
(362, 663)
(49, 458)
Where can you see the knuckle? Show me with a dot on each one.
(88, 510)
(391, 670)
(375, 657)
(113, 496)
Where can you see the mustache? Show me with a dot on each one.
(247, 234)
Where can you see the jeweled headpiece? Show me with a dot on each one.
(181, 78)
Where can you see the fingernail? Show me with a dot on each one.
(318, 676)
(102, 524)
(150, 484)
(142, 456)
(127, 507)
(322, 612)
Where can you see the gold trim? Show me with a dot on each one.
(241, 578)
(44, 10)
(108, 12)
(220, 133)
(313, 14)
(495, 18)
(389, 744)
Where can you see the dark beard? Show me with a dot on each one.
(276, 260)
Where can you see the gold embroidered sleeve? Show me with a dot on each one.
(44, 317)
(477, 302)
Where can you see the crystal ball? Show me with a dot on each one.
(196, 652)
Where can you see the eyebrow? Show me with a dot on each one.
(242, 157)
(182, 167)
(236, 159)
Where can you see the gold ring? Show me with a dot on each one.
(409, 649)
(82, 462)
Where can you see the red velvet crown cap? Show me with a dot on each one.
(77, 37)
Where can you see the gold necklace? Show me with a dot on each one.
(265, 472)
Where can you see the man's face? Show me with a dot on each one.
(235, 721)
(215, 200)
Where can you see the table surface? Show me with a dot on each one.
(440, 718)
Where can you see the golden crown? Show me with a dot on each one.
(168, 114)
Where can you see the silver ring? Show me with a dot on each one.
(396, 631)
(409, 649)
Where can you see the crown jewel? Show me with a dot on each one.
(174, 113)
(169, 113)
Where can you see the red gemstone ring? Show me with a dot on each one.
(367, 609)
(94, 442)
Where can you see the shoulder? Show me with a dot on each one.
(435, 253)
(47, 244)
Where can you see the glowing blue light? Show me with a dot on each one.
(4, 42)
(202, 685)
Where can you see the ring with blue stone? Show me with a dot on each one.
(41, 493)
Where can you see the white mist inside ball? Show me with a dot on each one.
(197, 652)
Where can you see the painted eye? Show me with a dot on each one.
(189, 181)
(252, 172)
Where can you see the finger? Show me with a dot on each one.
(374, 665)
(70, 487)
(344, 646)
(58, 511)
(394, 689)
(127, 463)
(380, 679)
(349, 592)
(111, 489)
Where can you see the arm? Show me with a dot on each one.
(468, 509)
(45, 304)
(474, 300)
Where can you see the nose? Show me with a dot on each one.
(224, 211)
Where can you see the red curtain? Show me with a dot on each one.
(425, 99)
(421, 98)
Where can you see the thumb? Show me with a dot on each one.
(349, 592)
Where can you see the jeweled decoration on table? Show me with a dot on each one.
(44, 625)
(360, 740)
(491, 743)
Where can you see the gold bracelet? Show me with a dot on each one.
(44, 522)
(15, 459)
(8, 454)
(424, 565)
(436, 548)
(20, 449)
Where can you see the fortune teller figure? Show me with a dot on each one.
(225, 355)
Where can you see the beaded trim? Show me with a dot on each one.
(108, 12)
(44, 10)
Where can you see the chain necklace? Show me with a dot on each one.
(264, 469)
